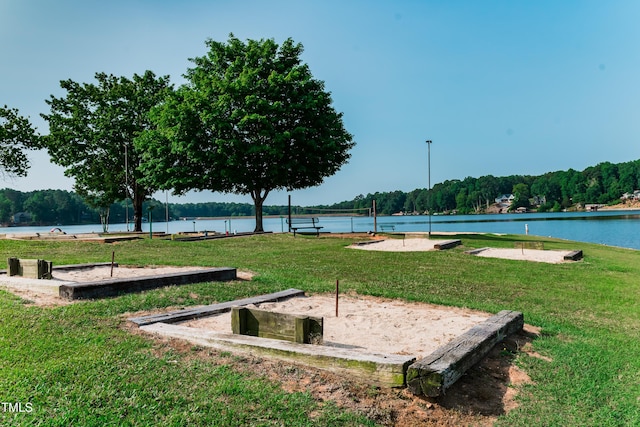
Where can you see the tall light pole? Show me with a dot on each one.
(429, 190)
(126, 186)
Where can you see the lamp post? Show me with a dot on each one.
(126, 186)
(429, 190)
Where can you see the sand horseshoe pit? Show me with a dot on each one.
(83, 281)
(372, 339)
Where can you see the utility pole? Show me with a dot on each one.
(126, 186)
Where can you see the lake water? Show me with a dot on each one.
(615, 228)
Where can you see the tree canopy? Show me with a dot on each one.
(250, 120)
(16, 135)
(92, 133)
(604, 183)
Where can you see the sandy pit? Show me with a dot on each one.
(536, 255)
(399, 245)
(92, 274)
(44, 292)
(370, 325)
(419, 244)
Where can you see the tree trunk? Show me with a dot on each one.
(258, 200)
(138, 200)
(104, 218)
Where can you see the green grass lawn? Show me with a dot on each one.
(75, 365)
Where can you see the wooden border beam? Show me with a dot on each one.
(447, 244)
(383, 369)
(432, 375)
(209, 310)
(112, 287)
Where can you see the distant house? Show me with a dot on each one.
(538, 200)
(505, 199)
(21, 218)
(631, 196)
(503, 202)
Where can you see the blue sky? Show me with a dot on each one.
(500, 87)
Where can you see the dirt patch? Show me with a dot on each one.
(32, 297)
(625, 205)
(485, 392)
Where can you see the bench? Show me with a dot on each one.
(384, 227)
(303, 223)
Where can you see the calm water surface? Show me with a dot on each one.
(615, 228)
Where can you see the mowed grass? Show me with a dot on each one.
(77, 366)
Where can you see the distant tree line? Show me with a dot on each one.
(50, 207)
(61, 207)
(219, 209)
(603, 184)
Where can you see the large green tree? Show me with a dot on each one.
(92, 133)
(250, 120)
(521, 195)
(16, 135)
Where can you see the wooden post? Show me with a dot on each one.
(337, 294)
(375, 218)
(45, 269)
(113, 257)
(13, 266)
(238, 320)
(301, 330)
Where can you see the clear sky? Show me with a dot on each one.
(500, 87)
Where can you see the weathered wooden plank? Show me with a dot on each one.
(447, 244)
(367, 242)
(573, 256)
(111, 287)
(381, 369)
(83, 266)
(13, 266)
(476, 251)
(435, 373)
(280, 326)
(209, 310)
